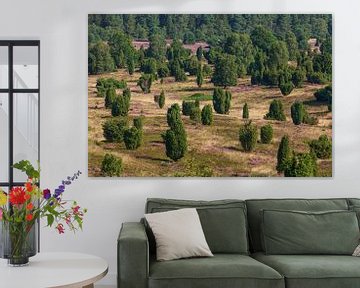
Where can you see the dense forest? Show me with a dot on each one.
(209, 27)
(284, 52)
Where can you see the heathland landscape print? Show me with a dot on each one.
(210, 95)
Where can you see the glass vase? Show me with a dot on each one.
(18, 242)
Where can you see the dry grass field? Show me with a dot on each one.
(216, 147)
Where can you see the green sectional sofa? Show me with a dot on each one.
(243, 248)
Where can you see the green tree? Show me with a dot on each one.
(262, 37)
(103, 84)
(285, 76)
(175, 144)
(283, 25)
(317, 78)
(100, 60)
(163, 70)
(191, 65)
(175, 138)
(199, 53)
(121, 104)
(240, 45)
(162, 99)
(248, 135)
(132, 138)
(266, 134)
(149, 66)
(323, 63)
(323, 94)
(111, 166)
(298, 77)
(207, 115)
(106, 83)
(283, 154)
(110, 97)
(221, 101)
(207, 70)
(292, 45)
(195, 114)
(297, 112)
(177, 52)
(157, 48)
(301, 165)
(145, 82)
(130, 65)
(326, 46)
(276, 111)
(257, 68)
(113, 129)
(173, 117)
(321, 147)
(199, 76)
(179, 72)
(310, 120)
(225, 73)
(286, 88)
(278, 56)
(245, 114)
(187, 106)
(271, 77)
(189, 37)
(121, 48)
(139, 122)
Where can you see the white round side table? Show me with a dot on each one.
(54, 270)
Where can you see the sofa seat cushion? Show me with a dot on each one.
(222, 270)
(314, 271)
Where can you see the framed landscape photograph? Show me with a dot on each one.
(210, 95)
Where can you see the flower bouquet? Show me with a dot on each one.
(21, 208)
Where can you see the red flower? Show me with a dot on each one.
(29, 206)
(29, 217)
(27, 196)
(29, 186)
(17, 196)
(75, 209)
(60, 228)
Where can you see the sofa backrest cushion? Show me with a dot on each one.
(300, 233)
(354, 205)
(223, 221)
(255, 206)
(353, 202)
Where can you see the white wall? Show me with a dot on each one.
(62, 28)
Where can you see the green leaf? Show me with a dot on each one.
(50, 219)
(26, 167)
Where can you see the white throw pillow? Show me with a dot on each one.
(178, 234)
(357, 251)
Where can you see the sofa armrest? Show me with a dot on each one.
(133, 256)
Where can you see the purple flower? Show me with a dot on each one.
(46, 194)
(58, 192)
(64, 183)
